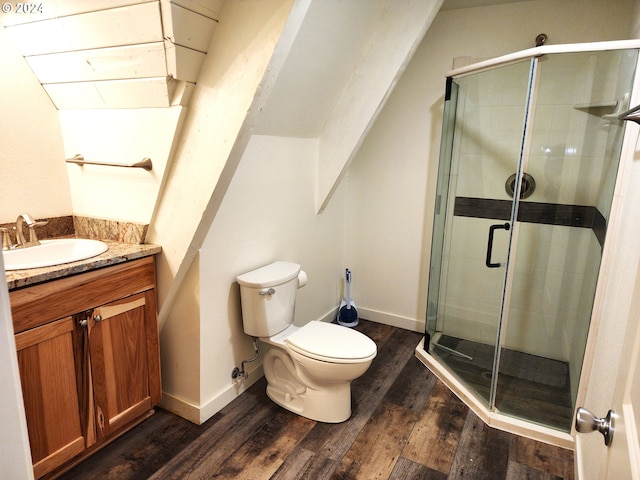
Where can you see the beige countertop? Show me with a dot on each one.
(117, 253)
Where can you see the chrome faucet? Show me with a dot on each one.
(25, 218)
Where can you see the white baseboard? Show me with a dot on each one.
(381, 317)
(199, 414)
(217, 403)
(391, 319)
(330, 316)
(181, 407)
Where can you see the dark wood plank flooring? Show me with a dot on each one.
(405, 425)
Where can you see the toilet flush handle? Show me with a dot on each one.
(269, 292)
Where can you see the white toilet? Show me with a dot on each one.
(309, 369)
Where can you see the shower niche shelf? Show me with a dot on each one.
(598, 108)
(589, 106)
(611, 109)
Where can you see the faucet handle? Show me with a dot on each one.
(38, 223)
(6, 240)
(33, 238)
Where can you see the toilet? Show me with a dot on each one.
(309, 369)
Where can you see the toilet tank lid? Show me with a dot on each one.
(273, 274)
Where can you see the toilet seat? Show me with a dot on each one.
(333, 343)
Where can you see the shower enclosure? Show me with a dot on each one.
(528, 163)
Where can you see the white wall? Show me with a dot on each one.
(34, 175)
(36, 138)
(122, 136)
(392, 180)
(268, 214)
(232, 83)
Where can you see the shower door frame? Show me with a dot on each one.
(488, 414)
(503, 323)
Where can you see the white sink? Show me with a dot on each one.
(53, 252)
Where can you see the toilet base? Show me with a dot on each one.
(329, 405)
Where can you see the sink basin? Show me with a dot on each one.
(53, 252)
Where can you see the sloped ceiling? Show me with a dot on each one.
(345, 61)
(318, 67)
(314, 76)
(114, 53)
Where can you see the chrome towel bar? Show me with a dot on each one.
(629, 114)
(144, 163)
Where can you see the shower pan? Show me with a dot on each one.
(528, 162)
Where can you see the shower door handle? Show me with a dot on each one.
(493, 228)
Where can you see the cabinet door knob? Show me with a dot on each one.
(98, 318)
(83, 323)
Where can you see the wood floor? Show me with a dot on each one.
(405, 425)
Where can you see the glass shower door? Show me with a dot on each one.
(572, 152)
(482, 145)
(528, 165)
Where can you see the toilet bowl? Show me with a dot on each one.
(309, 369)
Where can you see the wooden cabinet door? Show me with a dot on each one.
(50, 390)
(123, 345)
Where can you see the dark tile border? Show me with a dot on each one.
(581, 216)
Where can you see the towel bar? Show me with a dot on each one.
(144, 163)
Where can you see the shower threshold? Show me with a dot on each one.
(452, 351)
(510, 417)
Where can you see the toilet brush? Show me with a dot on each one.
(347, 313)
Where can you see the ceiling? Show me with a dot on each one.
(115, 53)
(326, 52)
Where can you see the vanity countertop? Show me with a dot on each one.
(117, 253)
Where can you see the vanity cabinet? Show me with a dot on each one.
(89, 360)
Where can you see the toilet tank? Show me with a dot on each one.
(268, 296)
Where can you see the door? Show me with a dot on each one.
(623, 458)
(46, 361)
(523, 212)
(120, 367)
(481, 147)
(571, 155)
(616, 387)
(612, 364)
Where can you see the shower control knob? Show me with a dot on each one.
(587, 422)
